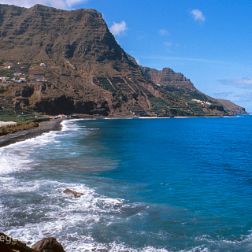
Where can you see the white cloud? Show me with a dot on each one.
(245, 81)
(168, 44)
(222, 94)
(118, 28)
(198, 15)
(62, 4)
(74, 2)
(242, 82)
(163, 32)
(183, 59)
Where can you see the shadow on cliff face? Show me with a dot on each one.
(92, 108)
(66, 105)
(58, 105)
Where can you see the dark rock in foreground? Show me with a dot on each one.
(48, 245)
(8, 244)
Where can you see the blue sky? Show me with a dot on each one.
(210, 41)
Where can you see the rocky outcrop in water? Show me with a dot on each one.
(57, 61)
(72, 193)
(48, 245)
(8, 244)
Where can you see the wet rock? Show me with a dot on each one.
(72, 193)
(8, 244)
(48, 245)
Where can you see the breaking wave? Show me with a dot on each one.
(34, 206)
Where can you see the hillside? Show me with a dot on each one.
(55, 61)
(178, 85)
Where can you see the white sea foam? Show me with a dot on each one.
(61, 213)
(70, 125)
(10, 163)
(88, 244)
(11, 185)
(244, 243)
(66, 216)
(197, 249)
(65, 213)
(17, 157)
(63, 216)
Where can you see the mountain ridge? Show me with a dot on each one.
(71, 63)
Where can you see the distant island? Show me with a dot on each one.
(63, 62)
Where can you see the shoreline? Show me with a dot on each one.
(71, 193)
(55, 125)
(46, 126)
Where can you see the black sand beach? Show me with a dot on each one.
(46, 126)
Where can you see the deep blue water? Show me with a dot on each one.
(168, 184)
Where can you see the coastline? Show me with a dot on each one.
(46, 126)
(55, 125)
(73, 183)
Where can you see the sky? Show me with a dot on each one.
(209, 41)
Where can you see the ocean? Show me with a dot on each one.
(179, 184)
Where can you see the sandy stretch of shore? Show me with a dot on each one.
(53, 124)
(4, 124)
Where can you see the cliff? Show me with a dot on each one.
(182, 88)
(232, 107)
(55, 61)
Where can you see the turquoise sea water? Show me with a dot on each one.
(149, 185)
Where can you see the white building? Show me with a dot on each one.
(3, 79)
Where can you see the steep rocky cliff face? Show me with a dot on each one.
(167, 77)
(56, 61)
(232, 108)
(181, 88)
